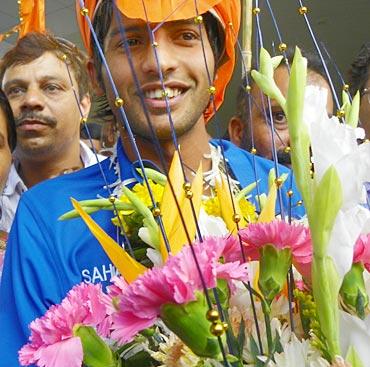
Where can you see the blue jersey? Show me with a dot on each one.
(45, 257)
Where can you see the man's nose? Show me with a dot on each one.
(33, 99)
(160, 55)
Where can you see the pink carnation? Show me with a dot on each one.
(362, 251)
(281, 235)
(52, 342)
(176, 282)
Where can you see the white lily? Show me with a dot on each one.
(335, 144)
(355, 332)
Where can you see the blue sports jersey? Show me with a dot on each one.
(45, 257)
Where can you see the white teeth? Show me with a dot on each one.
(158, 93)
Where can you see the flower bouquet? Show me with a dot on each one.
(213, 283)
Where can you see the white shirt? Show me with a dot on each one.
(15, 187)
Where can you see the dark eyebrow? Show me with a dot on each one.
(136, 28)
(118, 30)
(23, 82)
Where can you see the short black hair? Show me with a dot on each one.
(10, 124)
(314, 64)
(92, 128)
(359, 73)
(103, 18)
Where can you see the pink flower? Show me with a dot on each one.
(281, 235)
(52, 342)
(362, 251)
(176, 282)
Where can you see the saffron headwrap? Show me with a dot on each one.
(155, 11)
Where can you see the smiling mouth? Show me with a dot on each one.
(160, 94)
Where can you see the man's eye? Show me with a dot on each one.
(52, 88)
(189, 36)
(14, 91)
(279, 118)
(131, 42)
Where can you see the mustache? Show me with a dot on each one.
(31, 115)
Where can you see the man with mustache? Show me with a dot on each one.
(48, 105)
(250, 127)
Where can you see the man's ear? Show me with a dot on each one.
(85, 105)
(236, 130)
(97, 87)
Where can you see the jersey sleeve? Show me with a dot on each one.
(30, 270)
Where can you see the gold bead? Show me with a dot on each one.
(212, 315)
(230, 24)
(282, 47)
(237, 218)
(188, 194)
(112, 199)
(84, 11)
(345, 87)
(164, 94)
(186, 186)
(155, 44)
(212, 89)
(256, 11)
(278, 182)
(217, 329)
(156, 212)
(299, 203)
(290, 193)
(303, 10)
(225, 325)
(118, 102)
(21, 19)
(198, 19)
(64, 57)
(287, 149)
(340, 113)
(254, 151)
(248, 88)
(83, 120)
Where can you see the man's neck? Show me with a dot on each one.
(33, 171)
(193, 146)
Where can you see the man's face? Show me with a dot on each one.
(5, 154)
(260, 109)
(184, 72)
(46, 111)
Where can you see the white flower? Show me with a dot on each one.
(298, 353)
(210, 225)
(335, 144)
(355, 332)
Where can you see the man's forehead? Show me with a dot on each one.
(131, 24)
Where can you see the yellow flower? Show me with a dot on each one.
(142, 192)
(212, 206)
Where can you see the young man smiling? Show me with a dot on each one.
(46, 257)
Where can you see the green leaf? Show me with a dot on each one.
(299, 138)
(148, 220)
(325, 207)
(154, 175)
(269, 88)
(276, 61)
(353, 358)
(266, 67)
(96, 352)
(352, 117)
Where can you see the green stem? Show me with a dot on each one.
(266, 312)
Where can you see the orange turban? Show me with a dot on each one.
(228, 13)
